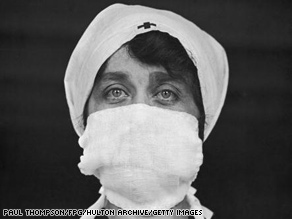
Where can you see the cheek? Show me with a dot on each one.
(189, 107)
(96, 103)
(93, 105)
(189, 103)
(193, 110)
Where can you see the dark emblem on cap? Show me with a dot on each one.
(146, 25)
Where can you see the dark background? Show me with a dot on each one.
(248, 157)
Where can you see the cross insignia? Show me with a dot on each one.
(146, 25)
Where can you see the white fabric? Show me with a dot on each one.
(191, 198)
(145, 157)
(118, 24)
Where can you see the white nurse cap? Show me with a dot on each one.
(118, 24)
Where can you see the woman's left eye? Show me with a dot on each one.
(167, 95)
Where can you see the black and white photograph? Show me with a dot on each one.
(138, 109)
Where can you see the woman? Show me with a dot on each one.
(144, 88)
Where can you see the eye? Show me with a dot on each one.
(167, 95)
(116, 94)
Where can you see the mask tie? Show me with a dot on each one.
(99, 204)
(196, 205)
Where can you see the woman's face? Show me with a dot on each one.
(127, 81)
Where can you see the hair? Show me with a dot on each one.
(157, 48)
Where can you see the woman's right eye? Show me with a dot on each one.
(116, 95)
(116, 92)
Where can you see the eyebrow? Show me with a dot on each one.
(158, 77)
(113, 76)
(155, 78)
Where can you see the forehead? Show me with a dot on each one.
(122, 66)
(122, 61)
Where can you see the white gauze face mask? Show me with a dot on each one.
(145, 157)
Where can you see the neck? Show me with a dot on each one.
(182, 205)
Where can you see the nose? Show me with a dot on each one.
(141, 97)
